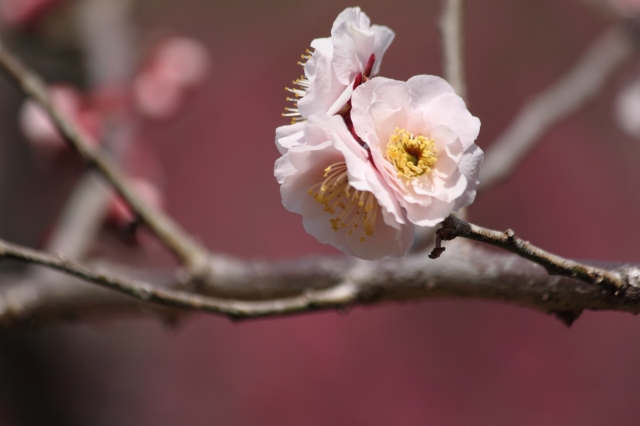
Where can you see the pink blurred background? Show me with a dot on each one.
(426, 363)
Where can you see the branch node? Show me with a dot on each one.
(567, 317)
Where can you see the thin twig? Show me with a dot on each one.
(453, 227)
(452, 33)
(579, 85)
(340, 295)
(186, 249)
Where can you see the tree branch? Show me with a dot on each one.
(261, 288)
(451, 31)
(186, 249)
(611, 50)
(453, 227)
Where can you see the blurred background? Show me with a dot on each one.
(207, 153)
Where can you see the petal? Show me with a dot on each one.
(283, 168)
(323, 91)
(384, 36)
(353, 43)
(289, 136)
(449, 110)
(309, 162)
(320, 61)
(428, 215)
(425, 88)
(385, 241)
(363, 176)
(470, 166)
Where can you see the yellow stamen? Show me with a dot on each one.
(359, 209)
(411, 155)
(298, 92)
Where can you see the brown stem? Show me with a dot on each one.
(453, 227)
(186, 249)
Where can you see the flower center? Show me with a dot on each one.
(352, 209)
(411, 155)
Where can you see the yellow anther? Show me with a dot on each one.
(411, 155)
(357, 207)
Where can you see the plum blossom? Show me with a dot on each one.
(176, 65)
(343, 200)
(42, 133)
(25, 12)
(421, 140)
(365, 159)
(353, 52)
(118, 211)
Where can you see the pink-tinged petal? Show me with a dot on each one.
(320, 61)
(289, 136)
(364, 95)
(363, 176)
(425, 88)
(449, 150)
(336, 61)
(428, 215)
(283, 168)
(384, 36)
(323, 92)
(385, 241)
(349, 44)
(449, 110)
(309, 162)
(451, 187)
(352, 39)
(470, 166)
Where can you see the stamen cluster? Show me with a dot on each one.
(411, 155)
(357, 208)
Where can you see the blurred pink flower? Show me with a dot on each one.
(626, 7)
(120, 214)
(421, 139)
(338, 63)
(177, 64)
(343, 200)
(40, 131)
(24, 12)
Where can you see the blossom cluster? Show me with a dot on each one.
(169, 73)
(366, 158)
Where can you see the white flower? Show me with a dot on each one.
(354, 51)
(330, 180)
(421, 139)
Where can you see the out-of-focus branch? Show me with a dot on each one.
(104, 28)
(186, 249)
(452, 34)
(453, 227)
(257, 288)
(566, 96)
